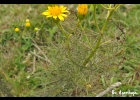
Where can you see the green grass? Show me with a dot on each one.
(25, 70)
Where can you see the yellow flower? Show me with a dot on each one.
(56, 12)
(88, 85)
(27, 24)
(82, 9)
(16, 29)
(27, 20)
(36, 29)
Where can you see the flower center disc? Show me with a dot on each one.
(55, 11)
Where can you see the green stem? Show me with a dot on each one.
(108, 17)
(67, 38)
(62, 29)
(99, 39)
(82, 27)
(106, 7)
(20, 38)
(43, 35)
(95, 18)
(93, 51)
(67, 42)
(85, 36)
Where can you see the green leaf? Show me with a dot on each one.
(103, 80)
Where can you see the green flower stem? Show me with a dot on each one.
(67, 41)
(82, 28)
(85, 35)
(94, 50)
(99, 39)
(66, 34)
(106, 7)
(62, 29)
(20, 37)
(43, 35)
(108, 18)
(95, 18)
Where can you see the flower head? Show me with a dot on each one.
(82, 9)
(56, 12)
(27, 24)
(88, 85)
(16, 29)
(36, 29)
(27, 20)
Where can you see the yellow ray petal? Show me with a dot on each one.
(60, 17)
(55, 17)
(64, 15)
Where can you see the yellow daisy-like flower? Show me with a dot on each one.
(27, 24)
(82, 9)
(16, 29)
(56, 12)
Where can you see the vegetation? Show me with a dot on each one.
(79, 55)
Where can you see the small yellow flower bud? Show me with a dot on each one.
(82, 9)
(27, 24)
(36, 29)
(88, 85)
(16, 29)
(27, 20)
